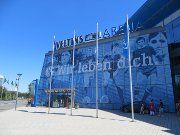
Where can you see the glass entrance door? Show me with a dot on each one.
(64, 100)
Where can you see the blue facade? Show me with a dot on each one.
(150, 68)
(173, 31)
(33, 92)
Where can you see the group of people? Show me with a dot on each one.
(152, 109)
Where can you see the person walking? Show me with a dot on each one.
(152, 108)
(29, 102)
(142, 108)
(161, 110)
(178, 108)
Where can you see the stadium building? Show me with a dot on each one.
(155, 60)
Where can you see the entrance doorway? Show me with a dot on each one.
(65, 101)
(60, 100)
(60, 97)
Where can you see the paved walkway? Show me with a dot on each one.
(35, 121)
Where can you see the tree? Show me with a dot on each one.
(11, 95)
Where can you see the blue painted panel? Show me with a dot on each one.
(173, 31)
(150, 72)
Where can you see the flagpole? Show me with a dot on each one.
(72, 82)
(97, 72)
(50, 80)
(16, 94)
(18, 78)
(130, 72)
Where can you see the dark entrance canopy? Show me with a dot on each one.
(62, 90)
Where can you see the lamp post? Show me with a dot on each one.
(19, 75)
(51, 75)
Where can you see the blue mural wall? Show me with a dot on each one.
(150, 68)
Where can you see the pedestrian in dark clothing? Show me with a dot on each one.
(161, 109)
(178, 108)
(29, 102)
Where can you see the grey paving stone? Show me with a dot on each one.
(36, 121)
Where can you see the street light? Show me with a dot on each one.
(19, 75)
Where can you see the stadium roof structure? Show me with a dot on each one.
(153, 12)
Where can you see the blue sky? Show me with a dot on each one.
(27, 28)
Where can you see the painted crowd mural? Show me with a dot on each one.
(150, 72)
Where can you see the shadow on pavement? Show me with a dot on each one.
(168, 120)
(110, 119)
(98, 117)
(38, 112)
(30, 112)
(59, 113)
(84, 116)
(23, 110)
